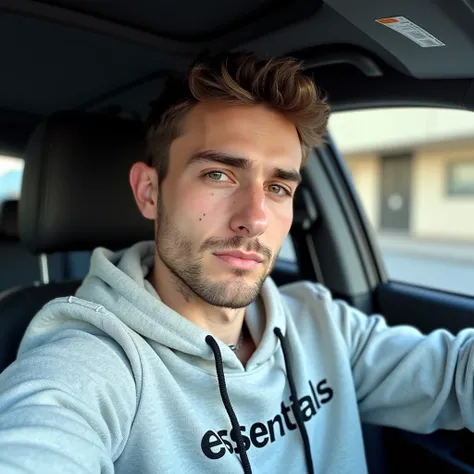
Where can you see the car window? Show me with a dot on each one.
(11, 171)
(414, 172)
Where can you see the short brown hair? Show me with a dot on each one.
(238, 78)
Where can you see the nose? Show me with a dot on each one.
(249, 216)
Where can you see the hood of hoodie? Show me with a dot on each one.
(117, 281)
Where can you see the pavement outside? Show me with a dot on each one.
(461, 251)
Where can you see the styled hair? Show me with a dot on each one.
(238, 78)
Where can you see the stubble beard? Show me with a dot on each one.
(187, 268)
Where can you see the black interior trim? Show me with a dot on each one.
(162, 73)
(281, 14)
(449, 452)
(102, 26)
(364, 63)
(394, 90)
(399, 301)
(285, 15)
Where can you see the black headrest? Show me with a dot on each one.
(9, 219)
(75, 190)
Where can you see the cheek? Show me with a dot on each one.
(282, 216)
(281, 224)
(206, 207)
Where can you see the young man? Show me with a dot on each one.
(181, 355)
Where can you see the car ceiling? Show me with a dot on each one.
(67, 54)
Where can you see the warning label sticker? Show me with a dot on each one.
(411, 30)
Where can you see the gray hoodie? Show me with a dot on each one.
(111, 380)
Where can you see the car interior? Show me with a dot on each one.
(77, 79)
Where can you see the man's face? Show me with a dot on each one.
(226, 206)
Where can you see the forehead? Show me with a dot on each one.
(254, 131)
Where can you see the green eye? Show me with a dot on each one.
(215, 175)
(276, 189)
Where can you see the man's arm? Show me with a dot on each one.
(66, 406)
(406, 379)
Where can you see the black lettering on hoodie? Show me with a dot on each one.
(324, 389)
(234, 438)
(215, 445)
(270, 427)
(259, 430)
(284, 411)
(313, 391)
(307, 411)
(208, 444)
(228, 444)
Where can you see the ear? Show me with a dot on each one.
(144, 182)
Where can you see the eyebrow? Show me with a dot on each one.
(211, 156)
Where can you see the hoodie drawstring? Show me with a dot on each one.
(296, 405)
(228, 406)
(233, 418)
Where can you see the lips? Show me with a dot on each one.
(239, 260)
(240, 254)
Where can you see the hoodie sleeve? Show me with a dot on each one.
(66, 406)
(408, 380)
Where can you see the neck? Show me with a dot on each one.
(224, 324)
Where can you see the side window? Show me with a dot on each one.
(414, 171)
(11, 171)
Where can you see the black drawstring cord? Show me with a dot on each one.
(296, 405)
(228, 406)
